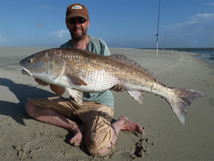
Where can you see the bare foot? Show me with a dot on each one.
(77, 138)
(131, 125)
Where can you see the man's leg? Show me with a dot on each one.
(123, 123)
(100, 134)
(50, 116)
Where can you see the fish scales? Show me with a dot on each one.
(83, 71)
(93, 66)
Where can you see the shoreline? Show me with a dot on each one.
(23, 138)
(207, 57)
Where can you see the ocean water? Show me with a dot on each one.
(206, 54)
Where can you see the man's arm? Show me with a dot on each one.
(57, 89)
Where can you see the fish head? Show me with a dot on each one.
(44, 65)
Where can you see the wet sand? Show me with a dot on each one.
(23, 138)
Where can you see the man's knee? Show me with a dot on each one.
(95, 150)
(30, 108)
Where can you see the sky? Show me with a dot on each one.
(120, 23)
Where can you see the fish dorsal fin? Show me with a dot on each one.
(76, 95)
(118, 56)
(123, 58)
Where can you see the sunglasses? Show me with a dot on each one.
(79, 20)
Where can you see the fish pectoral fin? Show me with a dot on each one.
(75, 80)
(76, 95)
(137, 95)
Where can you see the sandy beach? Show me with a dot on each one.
(23, 138)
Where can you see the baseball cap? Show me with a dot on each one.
(75, 10)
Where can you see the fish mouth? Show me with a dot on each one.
(26, 72)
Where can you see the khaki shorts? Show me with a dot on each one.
(95, 117)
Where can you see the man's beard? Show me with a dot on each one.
(78, 36)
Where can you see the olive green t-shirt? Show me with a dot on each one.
(97, 46)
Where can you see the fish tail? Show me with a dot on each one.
(181, 99)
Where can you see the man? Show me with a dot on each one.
(93, 118)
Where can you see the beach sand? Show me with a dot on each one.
(23, 138)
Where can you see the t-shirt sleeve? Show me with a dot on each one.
(67, 45)
(105, 49)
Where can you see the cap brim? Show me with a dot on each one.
(77, 15)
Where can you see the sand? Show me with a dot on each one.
(23, 138)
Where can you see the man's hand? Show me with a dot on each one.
(117, 88)
(41, 82)
(57, 89)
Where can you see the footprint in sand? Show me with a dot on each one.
(125, 156)
(29, 149)
(142, 147)
(200, 82)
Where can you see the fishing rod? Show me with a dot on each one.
(157, 29)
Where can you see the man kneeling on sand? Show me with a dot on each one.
(93, 118)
